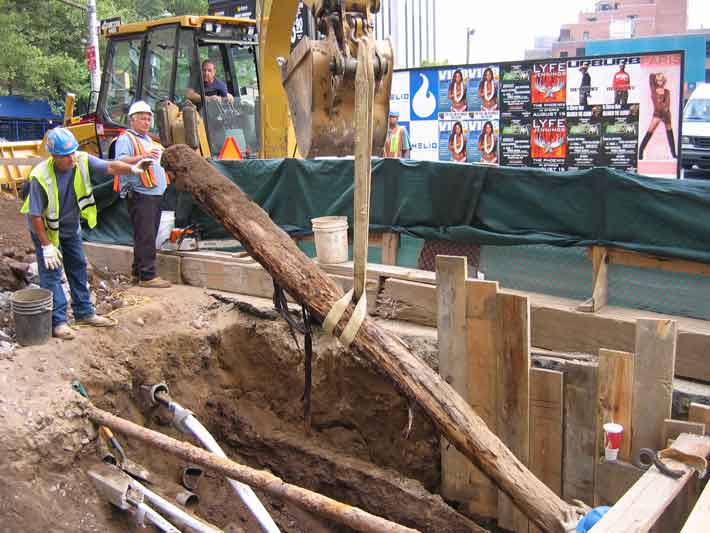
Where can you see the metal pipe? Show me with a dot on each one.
(419, 37)
(406, 37)
(155, 519)
(433, 26)
(94, 45)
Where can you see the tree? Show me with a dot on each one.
(42, 42)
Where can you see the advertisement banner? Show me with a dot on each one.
(620, 111)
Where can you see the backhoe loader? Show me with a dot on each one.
(160, 62)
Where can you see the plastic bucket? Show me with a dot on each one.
(331, 237)
(32, 310)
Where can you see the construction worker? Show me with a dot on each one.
(397, 140)
(143, 193)
(60, 193)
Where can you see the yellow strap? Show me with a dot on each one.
(336, 313)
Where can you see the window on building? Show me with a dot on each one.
(707, 74)
(564, 53)
(585, 36)
(580, 52)
(707, 48)
(565, 34)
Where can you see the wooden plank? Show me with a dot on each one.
(653, 382)
(453, 367)
(673, 428)
(390, 248)
(483, 339)
(600, 281)
(641, 507)
(612, 479)
(699, 518)
(546, 428)
(513, 406)
(385, 271)
(169, 267)
(614, 397)
(408, 300)
(698, 412)
(618, 256)
(580, 431)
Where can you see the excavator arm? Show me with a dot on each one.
(319, 77)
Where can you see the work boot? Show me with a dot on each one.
(96, 321)
(155, 283)
(63, 331)
(671, 143)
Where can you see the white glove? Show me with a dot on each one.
(142, 165)
(52, 257)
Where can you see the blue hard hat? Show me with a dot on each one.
(394, 113)
(61, 141)
(591, 518)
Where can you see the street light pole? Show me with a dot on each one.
(469, 33)
(92, 48)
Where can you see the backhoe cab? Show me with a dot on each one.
(160, 62)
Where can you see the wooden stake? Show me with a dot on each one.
(305, 282)
(352, 517)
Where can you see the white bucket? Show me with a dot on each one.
(331, 237)
(167, 224)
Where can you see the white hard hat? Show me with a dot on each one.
(139, 107)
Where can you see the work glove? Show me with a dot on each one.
(142, 166)
(52, 257)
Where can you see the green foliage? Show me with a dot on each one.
(43, 56)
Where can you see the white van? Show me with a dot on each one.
(696, 129)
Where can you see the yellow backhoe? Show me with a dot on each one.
(160, 62)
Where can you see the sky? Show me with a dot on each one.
(505, 28)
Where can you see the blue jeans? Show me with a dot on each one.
(75, 266)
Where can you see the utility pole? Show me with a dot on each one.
(469, 33)
(92, 48)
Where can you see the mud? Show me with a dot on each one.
(242, 376)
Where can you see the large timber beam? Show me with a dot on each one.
(307, 284)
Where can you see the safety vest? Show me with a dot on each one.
(393, 142)
(148, 178)
(46, 177)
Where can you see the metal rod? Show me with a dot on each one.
(419, 37)
(406, 36)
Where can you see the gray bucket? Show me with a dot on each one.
(32, 310)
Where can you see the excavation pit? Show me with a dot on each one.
(239, 370)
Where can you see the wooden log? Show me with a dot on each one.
(352, 517)
(302, 278)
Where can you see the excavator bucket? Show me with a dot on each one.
(321, 95)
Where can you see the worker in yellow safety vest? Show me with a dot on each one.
(397, 140)
(143, 193)
(59, 195)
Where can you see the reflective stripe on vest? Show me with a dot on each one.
(46, 177)
(148, 177)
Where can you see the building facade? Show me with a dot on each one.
(622, 19)
(411, 24)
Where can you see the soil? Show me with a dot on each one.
(242, 376)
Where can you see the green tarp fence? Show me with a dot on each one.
(469, 203)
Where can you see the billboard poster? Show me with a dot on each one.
(515, 141)
(620, 111)
(515, 87)
(584, 138)
(659, 114)
(548, 142)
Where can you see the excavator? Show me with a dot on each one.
(280, 103)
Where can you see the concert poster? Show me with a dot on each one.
(515, 140)
(584, 138)
(515, 94)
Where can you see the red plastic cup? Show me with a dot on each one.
(613, 434)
